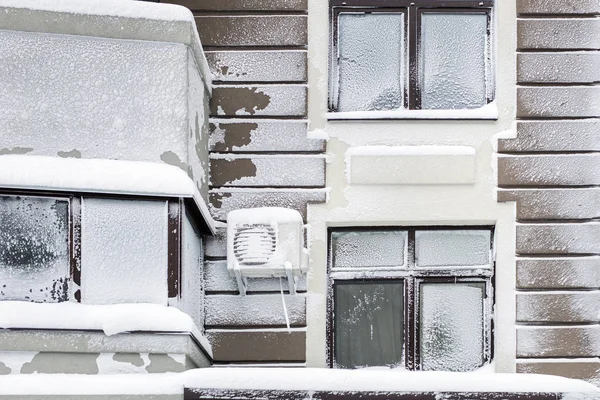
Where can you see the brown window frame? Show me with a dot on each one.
(413, 10)
(178, 208)
(411, 277)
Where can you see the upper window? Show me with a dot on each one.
(414, 298)
(401, 55)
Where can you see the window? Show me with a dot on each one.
(400, 55)
(34, 248)
(415, 298)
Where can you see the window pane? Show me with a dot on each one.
(453, 60)
(368, 249)
(368, 323)
(451, 331)
(371, 49)
(452, 248)
(123, 251)
(34, 249)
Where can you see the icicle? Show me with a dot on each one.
(287, 318)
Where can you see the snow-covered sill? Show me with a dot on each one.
(295, 379)
(111, 319)
(487, 112)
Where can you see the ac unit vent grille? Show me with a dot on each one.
(254, 244)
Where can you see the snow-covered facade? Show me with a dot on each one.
(440, 153)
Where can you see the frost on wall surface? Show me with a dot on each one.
(453, 69)
(198, 128)
(371, 72)
(34, 249)
(192, 270)
(123, 251)
(452, 248)
(369, 249)
(451, 326)
(76, 96)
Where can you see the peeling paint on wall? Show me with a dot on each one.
(166, 363)
(15, 150)
(70, 154)
(239, 101)
(64, 363)
(4, 370)
(232, 135)
(224, 171)
(171, 158)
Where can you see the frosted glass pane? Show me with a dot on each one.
(451, 326)
(34, 249)
(371, 52)
(452, 248)
(123, 251)
(192, 301)
(368, 249)
(453, 60)
(369, 324)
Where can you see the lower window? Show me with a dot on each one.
(414, 298)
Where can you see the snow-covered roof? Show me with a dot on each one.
(111, 319)
(114, 8)
(308, 379)
(117, 19)
(99, 176)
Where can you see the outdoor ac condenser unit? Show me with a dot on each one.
(266, 243)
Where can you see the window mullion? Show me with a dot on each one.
(414, 102)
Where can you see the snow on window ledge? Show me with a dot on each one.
(487, 112)
(111, 319)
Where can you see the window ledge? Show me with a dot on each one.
(487, 112)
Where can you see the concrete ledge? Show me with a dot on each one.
(411, 165)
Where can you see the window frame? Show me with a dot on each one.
(412, 276)
(178, 208)
(412, 28)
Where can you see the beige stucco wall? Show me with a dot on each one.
(403, 204)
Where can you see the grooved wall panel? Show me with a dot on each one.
(563, 33)
(258, 346)
(576, 238)
(252, 30)
(586, 369)
(258, 66)
(551, 169)
(550, 135)
(255, 310)
(556, 102)
(558, 307)
(259, 136)
(217, 279)
(265, 171)
(223, 200)
(558, 7)
(562, 273)
(554, 204)
(573, 67)
(272, 100)
(563, 341)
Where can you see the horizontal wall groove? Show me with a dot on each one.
(254, 48)
(266, 153)
(239, 328)
(539, 187)
(557, 221)
(547, 152)
(557, 16)
(250, 294)
(562, 118)
(250, 13)
(556, 324)
(283, 363)
(552, 256)
(554, 50)
(258, 117)
(253, 329)
(556, 84)
(223, 83)
(263, 187)
(557, 290)
(558, 358)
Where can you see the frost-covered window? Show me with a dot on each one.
(413, 298)
(34, 249)
(393, 55)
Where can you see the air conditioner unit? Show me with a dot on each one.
(266, 243)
